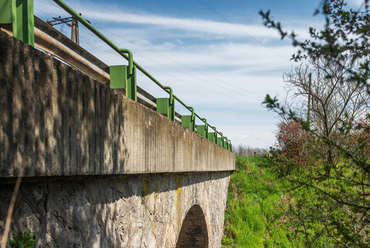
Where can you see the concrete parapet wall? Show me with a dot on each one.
(121, 211)
(57, 121)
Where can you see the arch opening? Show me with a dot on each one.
(193, 230)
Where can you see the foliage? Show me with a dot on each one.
(340, 207)
(22, 240)
(328, 102)
(340, 178)
(360, 138)
(263, 209)
(292, 142)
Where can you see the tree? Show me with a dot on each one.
(332, 102)
(340, 52)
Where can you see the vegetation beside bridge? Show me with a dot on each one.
(265, 209)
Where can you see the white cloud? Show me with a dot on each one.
(206, 28)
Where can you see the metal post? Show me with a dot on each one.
(166, 106)
(124, 77)
(171, 104)
(213, 136)
(189, 120)
(120, 78)
(220, 139)
(117, 76)
(131, 87)
(75, 32)
(225, 143)
(19, 13)
(163, 106)
(203, 129)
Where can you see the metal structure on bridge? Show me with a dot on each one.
(19, 14)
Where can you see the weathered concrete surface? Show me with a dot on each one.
(121, 211)
(57, 121)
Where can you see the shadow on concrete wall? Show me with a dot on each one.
(55, 120)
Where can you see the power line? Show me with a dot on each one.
(185, 66)
(241, 30)
(222, 93)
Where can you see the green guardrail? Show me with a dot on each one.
(19, 13)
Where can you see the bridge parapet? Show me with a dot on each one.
(57, 121)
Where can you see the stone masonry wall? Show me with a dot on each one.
(126, 211)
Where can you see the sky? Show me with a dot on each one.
(216, 54)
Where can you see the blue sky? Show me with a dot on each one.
(216, 55)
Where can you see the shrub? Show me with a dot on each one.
(293, 148)
(22, 240)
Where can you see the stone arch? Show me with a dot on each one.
(194, 229)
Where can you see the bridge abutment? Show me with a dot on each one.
(172, 210)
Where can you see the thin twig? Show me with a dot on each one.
(10, 212)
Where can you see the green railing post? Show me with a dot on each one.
(225, 143)
(166, 106)
(219, 139)
(163, 106)
(213, 136)
(203, 129)
(230, 146)
(124, 77)
(189, 120)
(131, 87)
(171, 107)
(120, 78)
(19, 13)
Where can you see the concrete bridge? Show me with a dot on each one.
(98, 169)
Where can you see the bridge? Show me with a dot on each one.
(89, 159)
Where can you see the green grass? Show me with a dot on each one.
(255, 206)
(263, 209)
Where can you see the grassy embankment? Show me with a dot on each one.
(260, 206)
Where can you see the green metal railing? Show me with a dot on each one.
(20, 14)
